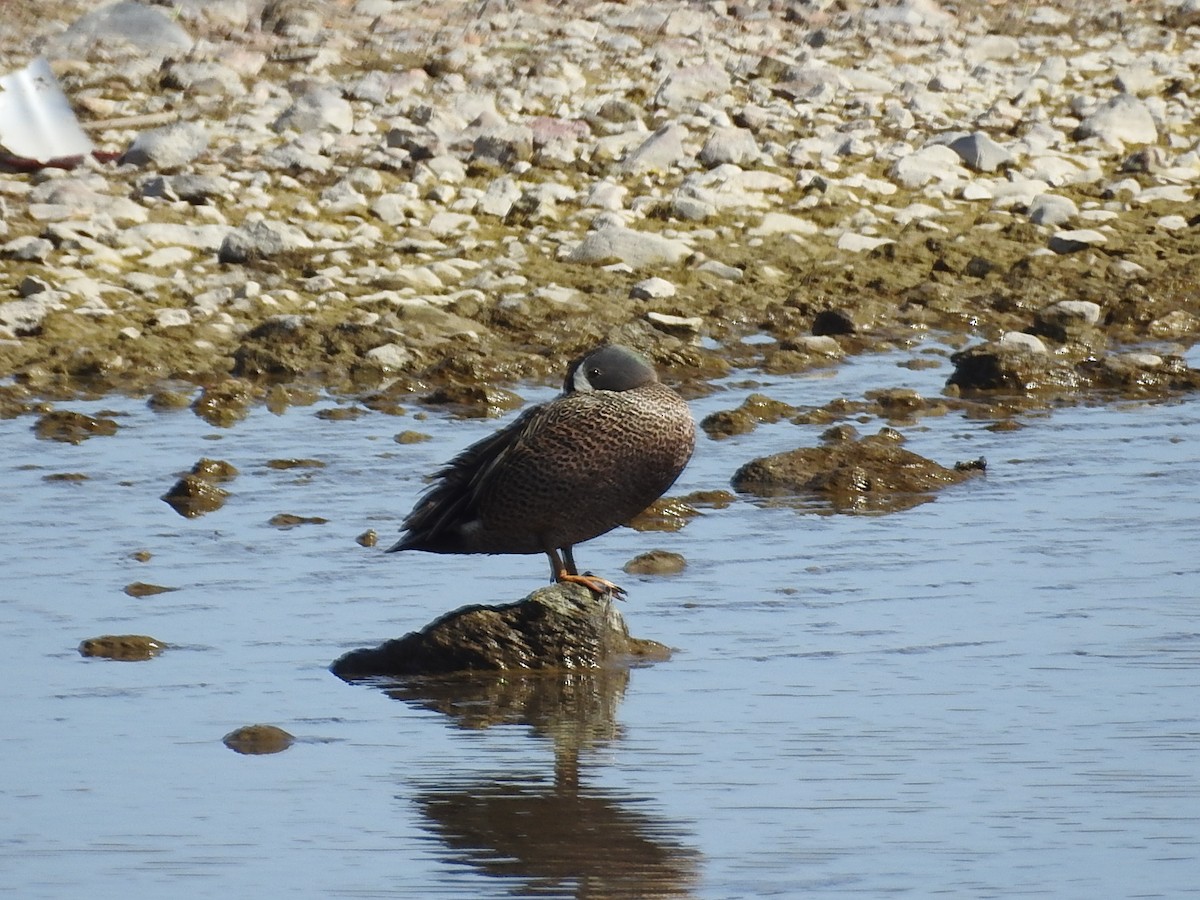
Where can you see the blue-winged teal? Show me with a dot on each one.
(563, 472)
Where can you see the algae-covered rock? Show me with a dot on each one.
(196, 493)
(1012, 368)
(561, 627)
(258, 740)
(656, 562)
(874, 474)
(122, 647)
(72, 427)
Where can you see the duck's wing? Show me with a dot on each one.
(454, 497)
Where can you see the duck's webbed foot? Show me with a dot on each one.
(594, 583)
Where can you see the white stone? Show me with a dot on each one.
(1022, 341)
(652, 289)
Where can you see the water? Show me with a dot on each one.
(991, 695)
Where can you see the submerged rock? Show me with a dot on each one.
(560, 627)
(257, 740)
(122, 647)
(874, 474)
(72, 427)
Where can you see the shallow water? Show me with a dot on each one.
(991, 695)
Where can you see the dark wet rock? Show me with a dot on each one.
(257, 740)
(997, 367)
(755, 409)
(834, 321)
(193, 496)
(142, 589)
(341, 413)
(368, 538)
(122, 647)
(224, 404)
(561, 627)
(290, 520)
(72, 427)
(656, 562)
(874, 474)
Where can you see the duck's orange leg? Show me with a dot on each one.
(563, 570)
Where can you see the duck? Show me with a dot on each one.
(563, 472)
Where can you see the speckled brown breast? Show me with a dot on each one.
(593, 461)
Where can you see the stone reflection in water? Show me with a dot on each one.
(550, 835)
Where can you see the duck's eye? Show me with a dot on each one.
(593, 374)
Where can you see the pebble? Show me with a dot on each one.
(168, 148)
(652, 289)
(634, 248)
(1052, 209)
(1124, 119)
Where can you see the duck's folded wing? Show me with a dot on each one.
(454, 497)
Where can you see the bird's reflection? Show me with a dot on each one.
(550, 834)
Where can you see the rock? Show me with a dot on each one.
(319, 109)
(1010, 368)
(558, 628)
(1068, 320)
(690, 83)
(27, 314)
(70, 427)
(680, 326)
(981, 153)
(1051, 209)
(391, 357)
(195, 495)
(659, 152)
(1020, 340)
(503, 146)
(262, 239)
(147, 29)
(1073, 241)
(729, 145)
(932, 163)
(499, 197)
(257, 740)
(637, 249)
(1124, 119)
(652, 289)
(656, 562)
(122, 647)
(783, 223)
(142, 589)
(27, 248)
(755, 409)
(874, 474)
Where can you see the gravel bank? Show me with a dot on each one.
(384, 197)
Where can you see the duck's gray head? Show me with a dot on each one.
(609, 368)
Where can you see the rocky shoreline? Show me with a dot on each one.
(388, 198)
